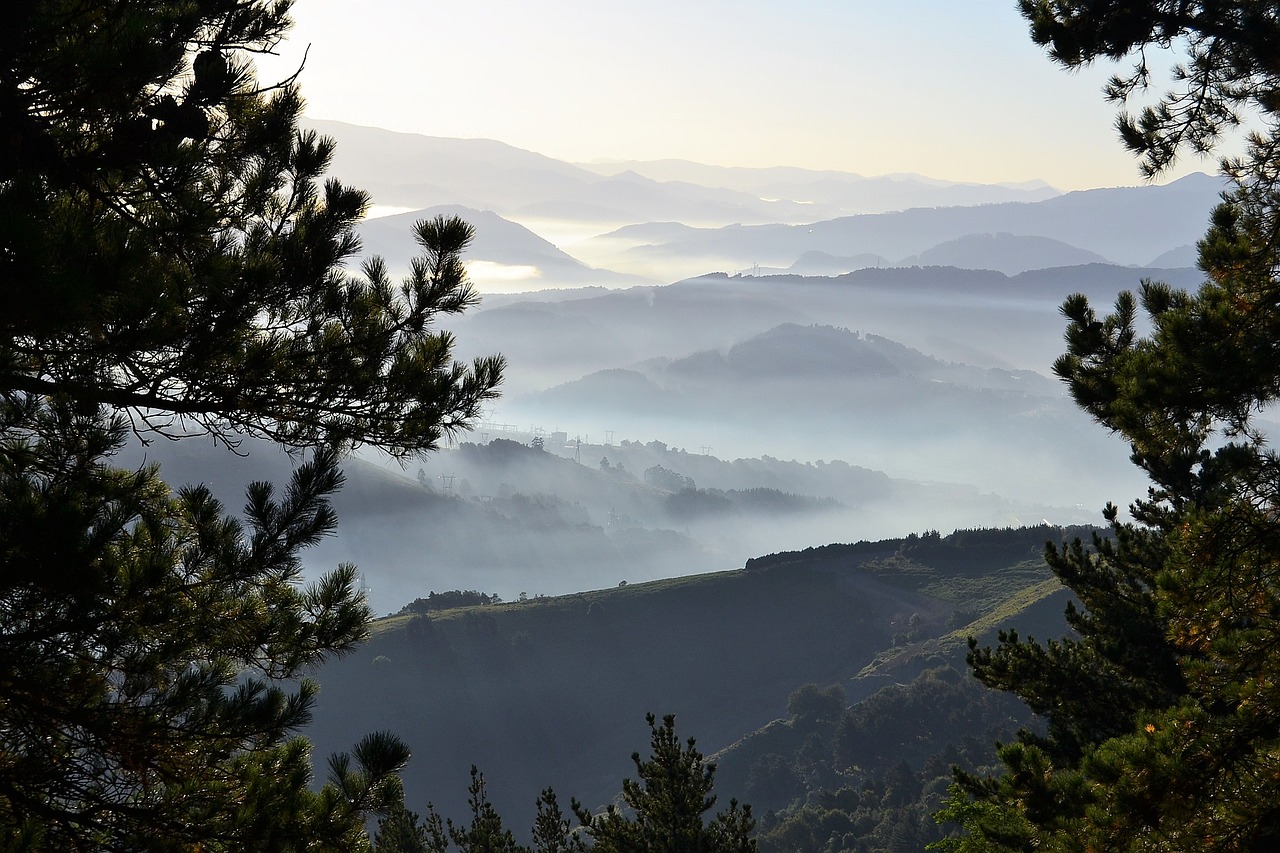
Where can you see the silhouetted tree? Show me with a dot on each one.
(485, 832)
(169, 262)
(1163, 709)
(553, 832)
(667, 804)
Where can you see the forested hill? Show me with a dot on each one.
(554, 690)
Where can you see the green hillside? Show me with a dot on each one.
(554, 690)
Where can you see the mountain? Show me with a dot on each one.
(553, 691)
(822, 263)
(411, 170)
(654, 361)
(1008, 253)
(664, 221)
(1182, 256)
(503, 253)
(1100, 282)
(857, 396)
(845, 192)
(1126, 225)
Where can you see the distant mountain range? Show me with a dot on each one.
(411, 170)
(846, 192)
(545, 223)
(505, 252)
(1130, 225)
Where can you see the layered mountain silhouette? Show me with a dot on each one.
(410, 170)
(527, 259)
(663, 221)
(1007, 253)
(1129, 225)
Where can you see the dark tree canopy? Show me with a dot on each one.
(667, 803)
(1163, 707)
(664, 811)
(170, 262)
(1228, 68)
(166, 246)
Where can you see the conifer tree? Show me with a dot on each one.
(664, 811)
(170, 264)
(552, 830)
(666, 805)
(1163, 709)
(167, 248)
(485, 832)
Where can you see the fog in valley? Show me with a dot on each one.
(707, 365)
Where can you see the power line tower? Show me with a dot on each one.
(446, 483)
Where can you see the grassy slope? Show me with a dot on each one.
(554, 691)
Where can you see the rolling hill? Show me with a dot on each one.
(553, 690)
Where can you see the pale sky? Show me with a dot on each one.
(949, 89)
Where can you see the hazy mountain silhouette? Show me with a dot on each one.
(1126, 225)
(860, 397)
(980, 317)
(497, 241)
(845, 192)
(676, 226)
(1182, 256)
(1007, 253)
(822, 263)
(411, 170)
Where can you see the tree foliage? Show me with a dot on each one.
(1227, 69)
(666, 805)
(664, 812)
(170, 263)
(167, 248)
(810, 702)
(1163, 712)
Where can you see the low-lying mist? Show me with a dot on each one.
(659, 432)
(508, 517)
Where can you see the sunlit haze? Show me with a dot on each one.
(950, 90)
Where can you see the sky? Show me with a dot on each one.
(952, 90)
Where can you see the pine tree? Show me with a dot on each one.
(552, 830)
(485, 833)
(667, 804)
(1163, 711)
(401, 831)
(167, 249)
(170, 263)
(664, 813)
